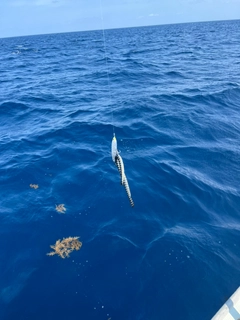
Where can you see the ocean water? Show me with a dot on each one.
(171, 94)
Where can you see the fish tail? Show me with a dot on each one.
(126, 185)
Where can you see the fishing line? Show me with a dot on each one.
(117, 159)
(107, 67)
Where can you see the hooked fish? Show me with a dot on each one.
(117, 159)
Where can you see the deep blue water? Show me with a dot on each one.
(173, 100)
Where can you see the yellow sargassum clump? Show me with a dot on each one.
(65, 247)
(61, 208)
(34, 186)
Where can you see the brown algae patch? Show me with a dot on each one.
(61, 208)
(34, 186)
(65, 247)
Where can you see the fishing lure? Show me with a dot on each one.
(117, 159)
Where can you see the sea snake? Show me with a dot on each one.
(117, 159)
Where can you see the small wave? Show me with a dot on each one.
(195, 175)
(13, 108)
(175, 74)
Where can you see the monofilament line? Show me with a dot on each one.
(106, 62)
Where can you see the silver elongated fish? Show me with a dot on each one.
(120, 166)
(117, 159)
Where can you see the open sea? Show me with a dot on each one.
(171, 94)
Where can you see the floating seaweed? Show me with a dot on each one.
(61, 208)
(34, 186)
(65, 247)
